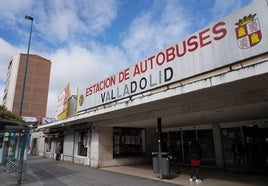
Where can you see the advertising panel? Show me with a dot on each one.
(62, 103)
(240, 36)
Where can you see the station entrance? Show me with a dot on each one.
(254, 140)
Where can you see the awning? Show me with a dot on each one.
(53, 132)
(12, 125)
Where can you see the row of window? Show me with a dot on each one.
(130, 142)
(81, 142)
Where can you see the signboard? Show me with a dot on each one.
(47, 120)
(62, 104)
(239, 36)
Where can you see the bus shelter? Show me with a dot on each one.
(13, 146)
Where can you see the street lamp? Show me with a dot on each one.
(26, 65)
(23, 133)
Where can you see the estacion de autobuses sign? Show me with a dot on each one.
(239, 36)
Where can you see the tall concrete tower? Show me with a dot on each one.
(36, 87)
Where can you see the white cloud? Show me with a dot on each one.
(98, 14)
(66, 20)
(10, 9)
(60, 21)
(6, 53)
(81, 68)
(154, 30)
(223, 8)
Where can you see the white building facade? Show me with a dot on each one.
(212, 87)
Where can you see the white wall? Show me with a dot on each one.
(102, 148)
(68, 142)
(105, 146)
(13, 73)
(41, 145)
(94, 152)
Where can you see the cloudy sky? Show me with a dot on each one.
(88, 40)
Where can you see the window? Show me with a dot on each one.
(128, 142)
(48, 144)
(82, 143)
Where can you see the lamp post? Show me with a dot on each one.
(26, 65)
(23, 135)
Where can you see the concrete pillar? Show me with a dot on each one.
(218, 145)
(94, 146)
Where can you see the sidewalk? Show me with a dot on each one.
(209, 176)
(49, 172)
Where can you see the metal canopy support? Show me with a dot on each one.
(23, 138)
(159, 132)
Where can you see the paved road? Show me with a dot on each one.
(48, 172)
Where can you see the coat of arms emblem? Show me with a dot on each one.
(81, 99)
(248, 32)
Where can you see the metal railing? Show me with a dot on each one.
(11, 166)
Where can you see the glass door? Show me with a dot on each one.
(205, 139)
(256, 142)
(228, 135)
(188, 137)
